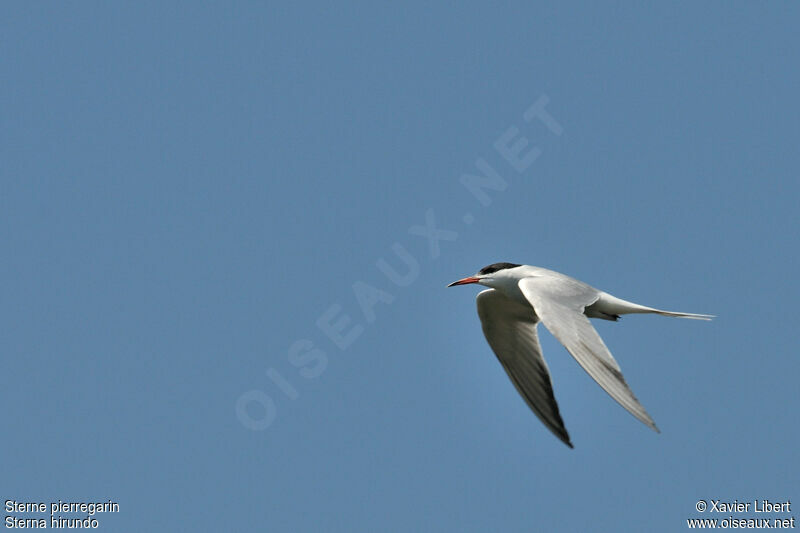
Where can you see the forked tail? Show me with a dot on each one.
(608, 307)
(693, 316)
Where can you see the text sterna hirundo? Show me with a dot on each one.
(522, 295)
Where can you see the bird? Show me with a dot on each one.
(521, 296)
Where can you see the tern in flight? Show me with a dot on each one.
(518, 298)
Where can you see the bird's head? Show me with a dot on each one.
(490, 276)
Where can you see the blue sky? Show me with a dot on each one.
(191, 192)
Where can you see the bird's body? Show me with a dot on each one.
(521, 296)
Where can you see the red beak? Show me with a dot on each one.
(464, 281)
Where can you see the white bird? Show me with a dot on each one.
(522, 295)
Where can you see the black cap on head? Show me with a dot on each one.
(495, 267)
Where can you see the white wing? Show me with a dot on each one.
(510, 328)
(559, 303)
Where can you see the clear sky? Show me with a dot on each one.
(226, 231)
